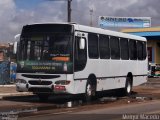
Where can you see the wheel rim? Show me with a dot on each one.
(89, 90)
(128, 87)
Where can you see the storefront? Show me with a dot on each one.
(153, 41)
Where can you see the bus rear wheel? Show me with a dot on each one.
(127, 90)
(128, 86)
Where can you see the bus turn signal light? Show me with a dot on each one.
(62, 82)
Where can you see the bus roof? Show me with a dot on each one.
(107, 32)
(84, 28)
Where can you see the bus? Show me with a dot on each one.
(68, 58)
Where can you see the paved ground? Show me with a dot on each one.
(10, 90)
(7, 89)
(151, 89)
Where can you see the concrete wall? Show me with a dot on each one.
(155, 50)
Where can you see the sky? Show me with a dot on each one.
(16, 13)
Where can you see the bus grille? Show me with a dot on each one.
(37, 90)
(38, 82)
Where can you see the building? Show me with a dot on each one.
(153, 41)
(3, 48)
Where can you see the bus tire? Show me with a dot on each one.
(90, 92)
(43, 97)
(128, 86)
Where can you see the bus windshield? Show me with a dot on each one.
(47, 47)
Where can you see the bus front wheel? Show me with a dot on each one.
(90, 92)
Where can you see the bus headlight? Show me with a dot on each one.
(62, 82)
(21, 81)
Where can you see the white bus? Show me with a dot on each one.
(75, 59)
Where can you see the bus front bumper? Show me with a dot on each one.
(57, 89)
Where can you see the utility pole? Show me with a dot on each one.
(69, 10)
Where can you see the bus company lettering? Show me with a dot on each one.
(43, 64)
(43, 68)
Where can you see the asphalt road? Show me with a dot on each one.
(109, 113)
(29, 107)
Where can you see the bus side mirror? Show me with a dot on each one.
(16, 37)
(15, 47)
(82, 43)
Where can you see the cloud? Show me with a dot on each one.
(7, 10)
(100, 8)
(7, 13)
(13, 18)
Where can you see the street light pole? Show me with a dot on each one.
(91, 13)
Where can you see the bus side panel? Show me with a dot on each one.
(111, 83)
(79, 86)
(81, 77)
(139, 80)
(111, 74)
(141, 73)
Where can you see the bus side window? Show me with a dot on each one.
(144, 51)
(104, 47)
(115, 49)
(124, 49)
(132, 50)
(140, 50)
(93, 46)
(80, 55)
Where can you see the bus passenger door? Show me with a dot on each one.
(80, 60)
(80, 53)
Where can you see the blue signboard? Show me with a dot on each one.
(136, 22)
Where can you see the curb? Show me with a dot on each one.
(2, 95)
(8, 85)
